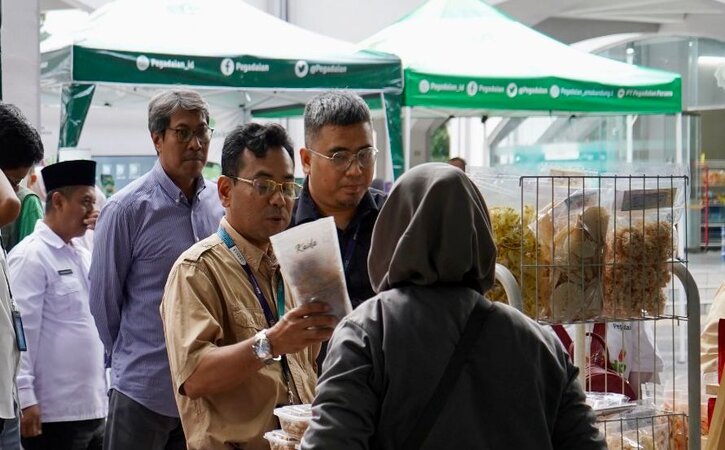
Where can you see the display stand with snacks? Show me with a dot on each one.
(600, 257)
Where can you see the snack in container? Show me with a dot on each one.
(309, 257)
(294, 419)
(279, 440)
(639, 251)
(508, 227)
(572, 236)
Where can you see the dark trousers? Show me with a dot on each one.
(130, 425)
(76, 435)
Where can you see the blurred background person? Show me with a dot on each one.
(458, 162)
(22, 149)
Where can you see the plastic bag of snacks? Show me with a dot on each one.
(571, 234)
(515, 242)
(640, 247)
(309, 257)
(508, 226)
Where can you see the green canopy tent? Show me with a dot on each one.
(465, 58)
(242, 57)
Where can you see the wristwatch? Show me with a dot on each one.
(262, 348)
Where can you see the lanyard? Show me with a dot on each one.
(350, 249)
(271, 319)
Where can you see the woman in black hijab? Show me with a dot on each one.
(432, 259)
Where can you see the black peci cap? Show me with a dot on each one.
(81, 172)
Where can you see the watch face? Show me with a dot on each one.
(262, 347)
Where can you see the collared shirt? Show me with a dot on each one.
(30, 212)
(62, 371)
(210, 302)
(9, 354)
(355, 239)
(141, 231)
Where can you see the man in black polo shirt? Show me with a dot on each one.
(339, 161)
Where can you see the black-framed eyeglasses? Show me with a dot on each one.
(184, 134)
(266, 187)
(342, 160)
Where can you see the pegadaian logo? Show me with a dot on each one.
(554, 91)
(227, 66)
(142, 62)
(620, 93)
(423, 86)
(302, 68)
(512, 90)
(472, 88)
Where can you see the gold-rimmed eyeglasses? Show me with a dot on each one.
(342, 160)
(185, 134)
(266, 187)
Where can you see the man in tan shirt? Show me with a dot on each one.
(233, 360)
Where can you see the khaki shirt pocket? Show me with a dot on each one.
(245, 323)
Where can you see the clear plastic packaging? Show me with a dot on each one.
(309, 257)
(515, 242)
(279, 440)
(294, 419)
(640, 248)
(571, 233)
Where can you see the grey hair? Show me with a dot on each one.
(164, 104)
(338, 108)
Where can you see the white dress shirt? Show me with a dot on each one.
(62, 370)
(9, 354)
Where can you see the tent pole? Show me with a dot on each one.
(629, 133)
(406, 135)
(679, 153)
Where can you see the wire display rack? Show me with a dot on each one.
(602, 255)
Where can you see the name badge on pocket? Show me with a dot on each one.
(19, 332)
(65, 272)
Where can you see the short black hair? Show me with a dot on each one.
(338, 108)
(20, 144)
(458, 159)
(256, 138)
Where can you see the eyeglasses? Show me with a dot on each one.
(266, 187)
(343, 159)
(184, 134)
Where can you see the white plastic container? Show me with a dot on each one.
(294, 419)
(279, 440)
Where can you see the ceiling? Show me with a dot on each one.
(566, 20)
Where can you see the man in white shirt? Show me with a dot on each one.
(61, 383)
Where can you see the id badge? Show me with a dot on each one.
(19, 332)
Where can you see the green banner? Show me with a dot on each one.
(395, 137)
(539, 94)
(75, 102)
(91, 65)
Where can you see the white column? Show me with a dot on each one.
(21, 56)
